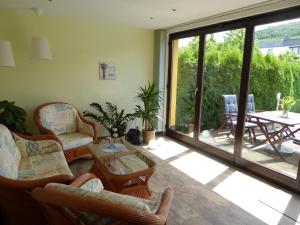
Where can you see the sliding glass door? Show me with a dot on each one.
(234, 91)
(221, 87)
(273, 90)
(184, 85)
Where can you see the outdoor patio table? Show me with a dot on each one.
(276, 137)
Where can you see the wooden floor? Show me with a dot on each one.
(207, 191)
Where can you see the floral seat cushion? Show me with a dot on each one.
(59, 118)
(42, 166)
(26, 159)
(9, 154)
(93, 185)
(73, 140)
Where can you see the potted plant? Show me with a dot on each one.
(112, 119)
(286, 104)
(148, 112)
(13, 117)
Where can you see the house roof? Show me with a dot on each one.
(281, 43)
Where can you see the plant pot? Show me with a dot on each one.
(148, 136)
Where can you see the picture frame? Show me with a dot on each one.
(107, 71)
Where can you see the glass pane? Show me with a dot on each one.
(274, 89)
(183, 85)
(222, 75)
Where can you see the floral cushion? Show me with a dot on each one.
(9, 154)
(41, 166)
(150, 206)
(60, 118)
(74, 140)
(94, 185)
(30, 148)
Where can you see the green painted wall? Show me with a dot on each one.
(72, 76)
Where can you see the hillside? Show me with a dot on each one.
(280, 32)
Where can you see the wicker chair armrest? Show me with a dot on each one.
(45, 144)
(82, 179)
(41, 137)
(84, 120)
(36, 118)
(104, 208)
(165, 205)
(30, 184)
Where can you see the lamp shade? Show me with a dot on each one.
(40, 48)
(6, 55)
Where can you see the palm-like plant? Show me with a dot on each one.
(110, 119)
(148, 112)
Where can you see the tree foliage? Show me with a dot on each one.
(283, 31)
(270, 74)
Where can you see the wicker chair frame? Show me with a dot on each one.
(52, 201)
(16, 203)
(70, 154)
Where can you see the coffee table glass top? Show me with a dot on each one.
(121, 159)
(125, 164)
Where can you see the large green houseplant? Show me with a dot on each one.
(148, 111)
(111, 118)
(13, 117)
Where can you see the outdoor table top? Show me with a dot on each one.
(276, 117)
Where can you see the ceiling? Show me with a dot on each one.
(150, 14)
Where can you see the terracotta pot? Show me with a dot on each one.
(148, 136)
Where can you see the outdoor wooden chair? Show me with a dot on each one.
(251, 109)
(66, 123)
(85, 202)
(27, 162)
(230, 108)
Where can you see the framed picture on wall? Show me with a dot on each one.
(107, 71)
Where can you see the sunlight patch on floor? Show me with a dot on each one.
(165, 149)
(246, 192)
(284, 202)
(199, 167)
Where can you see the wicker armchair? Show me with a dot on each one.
(27, 162)
(66, 123)
(85, 202)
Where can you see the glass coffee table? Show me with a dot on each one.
(122, 168)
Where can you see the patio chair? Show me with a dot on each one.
(230, 117)
(27, 162)
(66, 123)
(268, 125)
(85, 202)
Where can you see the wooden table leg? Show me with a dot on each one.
(269, 136)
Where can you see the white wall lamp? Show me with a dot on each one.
(39, 45)
(40, 48)
(6, 54)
